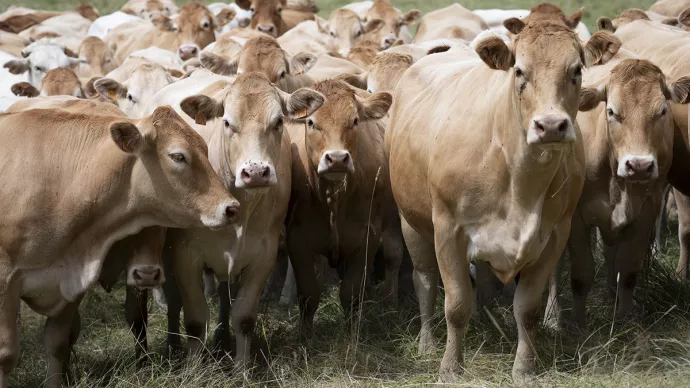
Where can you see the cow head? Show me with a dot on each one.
(133, 95)
(99, 57)
(332, 131)
(628, 16)
(40, 57)
(150, 8)
(194, 26)
(545, 63)
(345, 28)
(393, 21)
(266, 15)
(386, 71)
(542, 12)
(262, 54)
(252, 114)
(173, 172)
(638, 117)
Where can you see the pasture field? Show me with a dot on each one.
(651, 350)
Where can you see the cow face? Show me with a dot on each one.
(133, 95)
(345, 28)
(332, 131)
(39, 58)
(99, 57)
(386, 71)
(253, 115)
(195, 27)
(393, 21)
(174, 173)
(546, 63)
(638, 118)
(266, 15)
(543, 12)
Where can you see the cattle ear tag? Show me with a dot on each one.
(301, 114)
(200, 118)
(112, 94)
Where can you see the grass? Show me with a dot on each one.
(652, 350)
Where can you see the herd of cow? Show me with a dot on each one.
(184, 146)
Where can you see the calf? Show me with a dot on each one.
(339, 193)
(492, 177)
(150, 172)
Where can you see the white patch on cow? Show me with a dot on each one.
(104, 24)
(622, 171)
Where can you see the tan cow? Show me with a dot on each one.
(454, 21)
(544, 11)
(345, 28)
(492, 177)
(148, 8)
(384, 73)
(191, 31)
(628, 133)
(396, 24)
(340, 191)
(149, 172)
(244, 127)
(98, 57)
(59, 81)
(670, 7)
(271, 16)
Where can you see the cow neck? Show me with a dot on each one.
(330, 192)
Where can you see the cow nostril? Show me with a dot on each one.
(328, 159)
(157, 276)
(193, 50)
(231, 213)
(346, 158)
(563, 126)
(266, 172)
(537, 124)
(650, 169)
(244, 174)
(136, 275)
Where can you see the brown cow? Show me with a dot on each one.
(492, 177)
(191, 31)
(271, 17)
(340, 191)
(396, 25)
(244, 126)
(454, 21)
(628, 133)
(544, 11)
(169, 182)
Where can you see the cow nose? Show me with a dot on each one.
(147, 276)
(254, 175)
(639, 168)
(551, 128)
(266, 28)
(188, 52)
(337, 161)
(388, 42)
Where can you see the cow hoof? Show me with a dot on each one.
(524, 378)
(427, 346)
(449, 378)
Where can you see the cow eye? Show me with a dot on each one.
(354, 123)
(279, 124)
(310, 123)
(38, 68)
(663, 111)
(204, 24)
(282, 74)
(279, 10)
(518, 73)
(227, 125)
(178, 158)
(358, 33)
(611, 114)
(577, 74)
(130, 98)
(251, 9)
(333, 34)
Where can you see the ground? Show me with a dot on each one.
(652, 350)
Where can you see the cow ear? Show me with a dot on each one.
(605, 24)
(129, 11)
(670, 22)
(376, 106)
(202, 108)
(244, 4)
(90, 88)
(322, 24)
(218, 64)
(495, 53)
(225, 16)
(600, 48)
(438, 49)
(684, 17)
(174, 73)
(590, 97)
(410, 17)
(24, 89)
(17, 66)
(514, 25)
(162, 22)
(301, 63)
(679, 90)
(302, 103)
(573, 20)
(127, 136)
(110, 89)
(373, 26)
(359, 81)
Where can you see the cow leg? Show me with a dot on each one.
(9, 317)
(221, 335)
(683, 205)
(581, 267)
(61, 332)
(136, 313)
(552, 314)
(425, 279)
(308, 290)
(451, 249)
(288, 296)
(393, 250)
(527, 302)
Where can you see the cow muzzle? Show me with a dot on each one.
(637, 168)
(551, 129)
(146, 276)
(188, 51)
(334, 165)
(255, 175)
(267, 29)
(226, 213)
(387, 42)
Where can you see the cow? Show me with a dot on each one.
(454, 21)
(148, 8)
(98, 58)
(384, 73)
(104, 24)
(148, 172)
(544, 11)
(40, 57)
(241, 19)
(191, 31)
(244, 127)
(272, 17)
(508, 162)
(396, 23)
(59, 81)
(670, 8)
(345, 27)
(310, 36)
(628, 132)
(339, 193)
